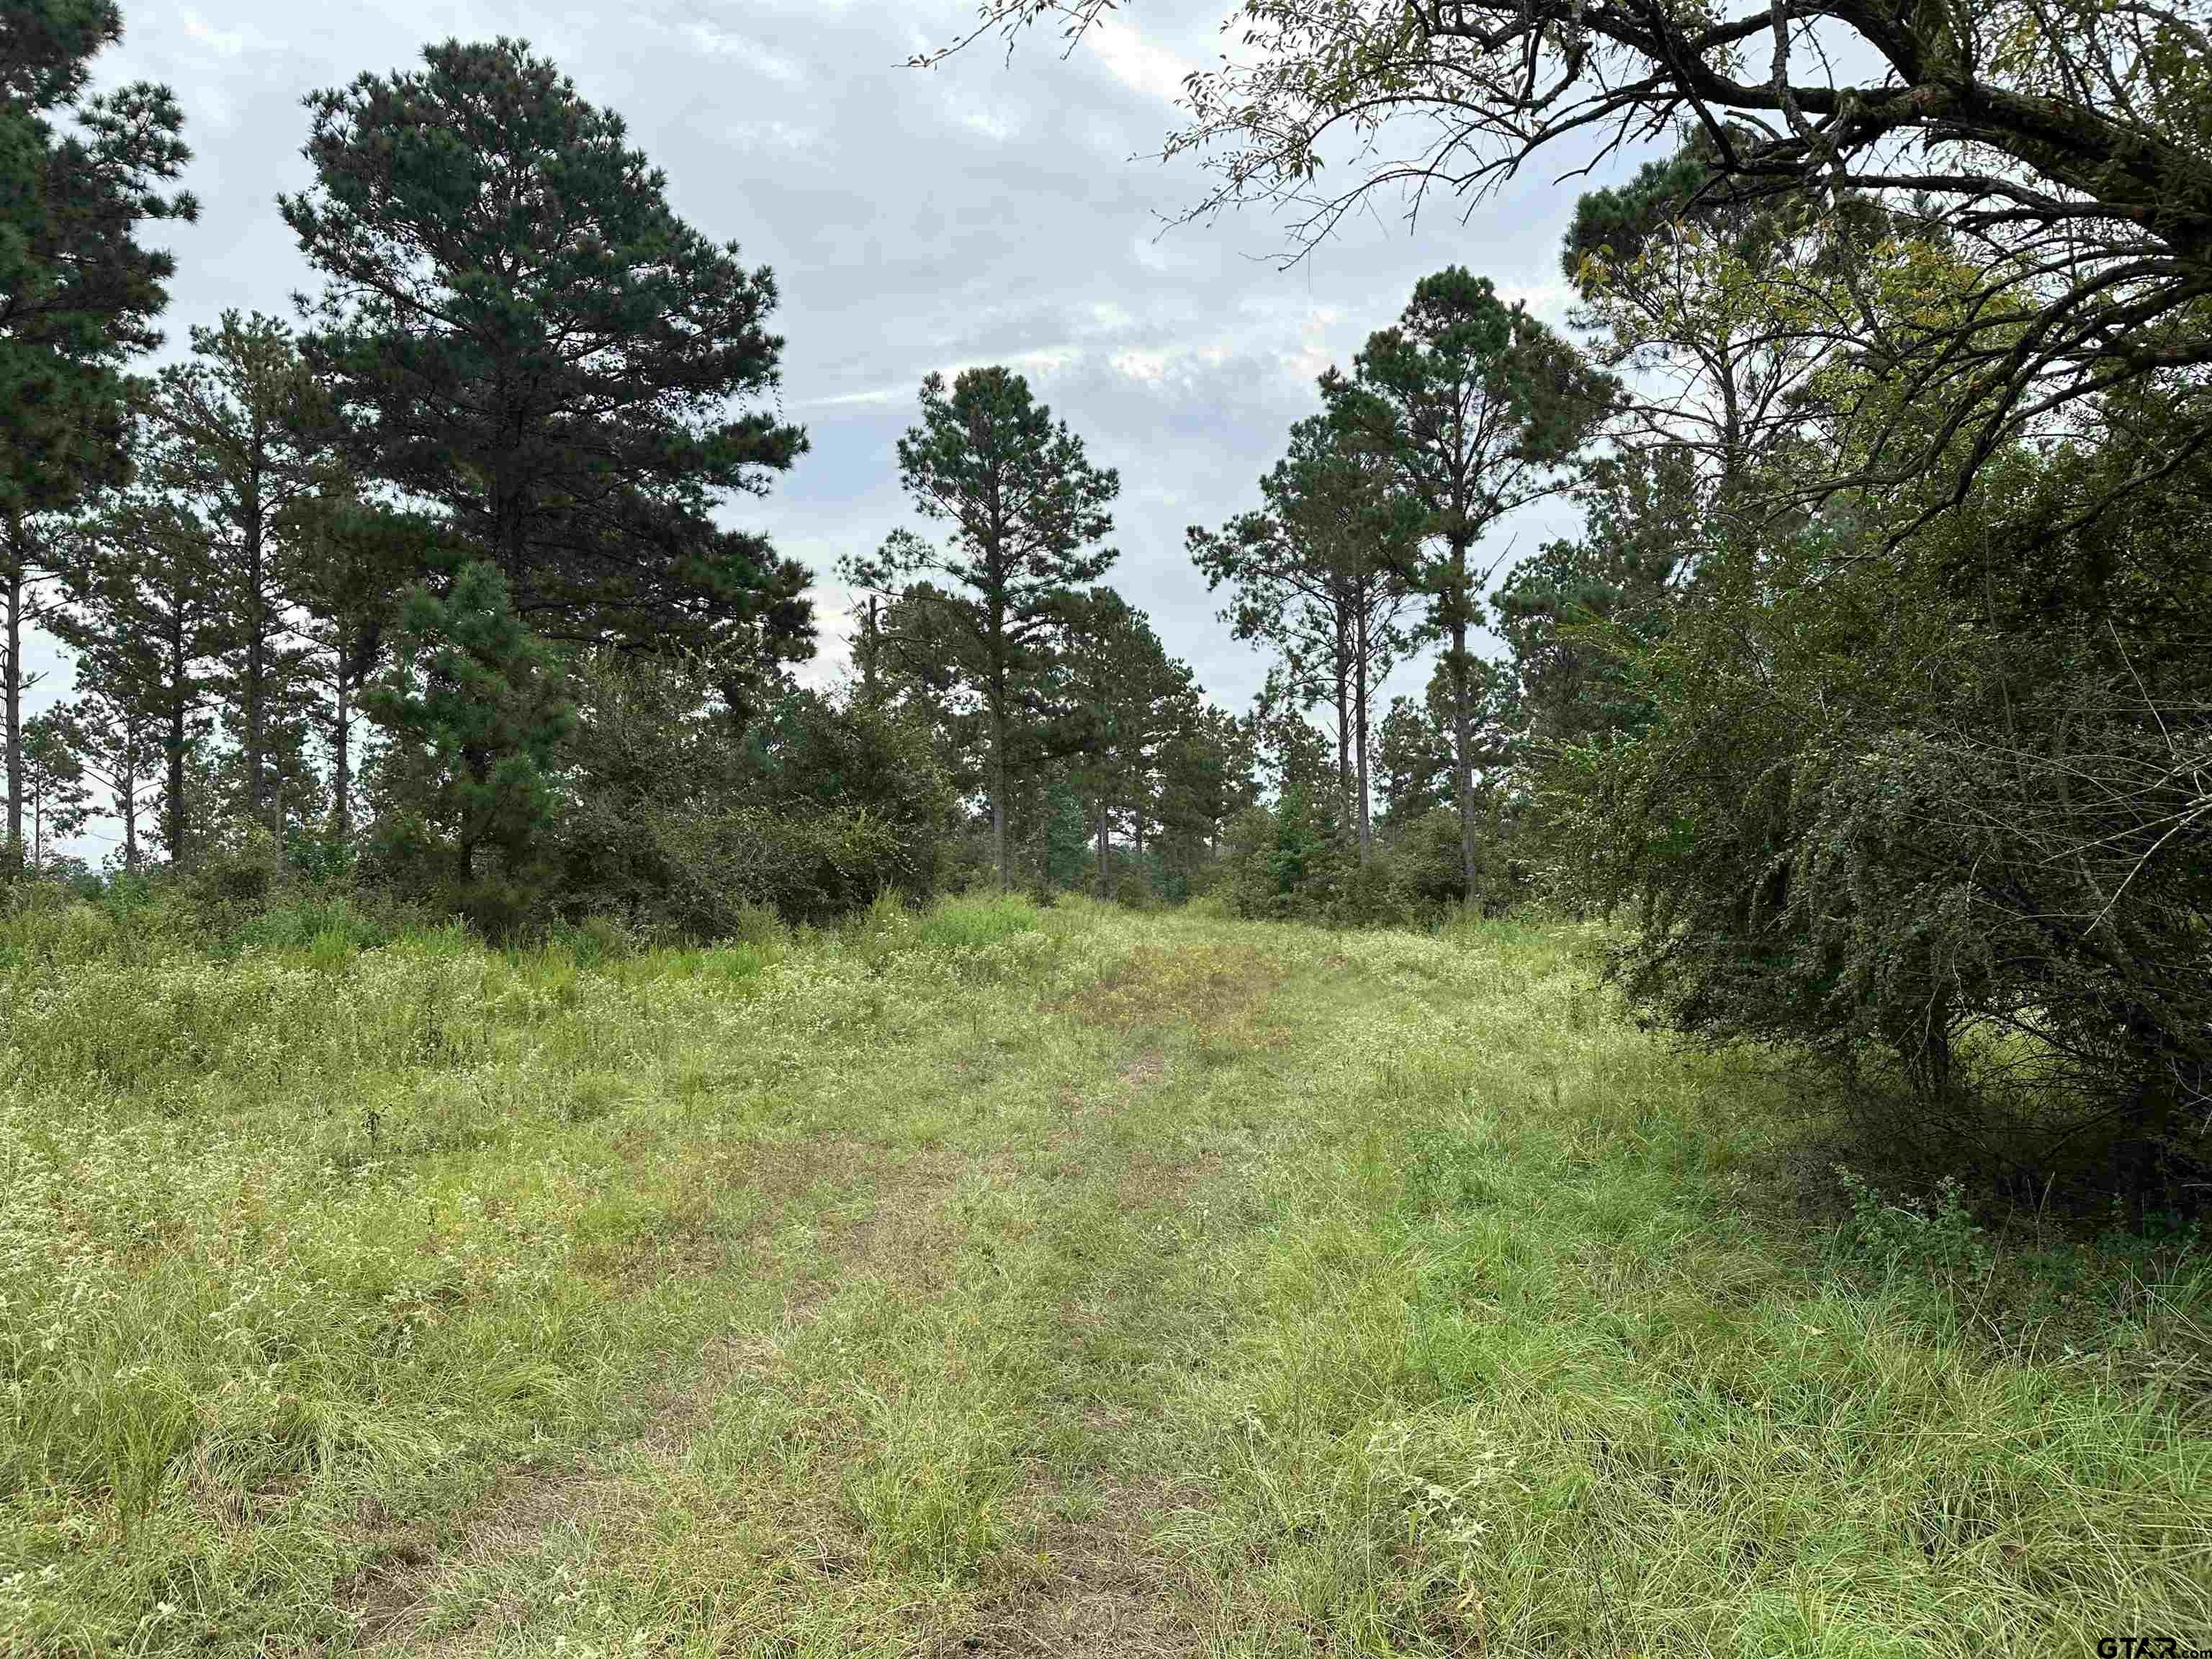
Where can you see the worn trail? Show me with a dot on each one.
(940, 1418)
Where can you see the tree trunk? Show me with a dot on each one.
(341, 749)
(130, 805)
(1343, 739)
(1103, 831)
(257, 660)
(1359, 745)
(999, 794)
(1463, 722)
(868, 653)
(179, 718)
(15, 687)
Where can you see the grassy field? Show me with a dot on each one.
(1005, 1281)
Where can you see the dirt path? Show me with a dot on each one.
(943, 1435)
(888, 1225)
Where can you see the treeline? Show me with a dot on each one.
(1872, 700)
(435, 590)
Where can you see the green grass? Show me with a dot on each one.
(1007, 1280)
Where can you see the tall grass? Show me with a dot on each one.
(986, 1275)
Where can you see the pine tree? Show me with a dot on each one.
(33, 552)
(517, 327)
(79, 176)
(474, 705)
(118, 746)
(1026, 509)
(235, 425)
(54, 795)
(353, 559)
(1480, 407)
(1127, 696)
(1571, 614)
(144, 618)
(1205, 780)
(1320, 577)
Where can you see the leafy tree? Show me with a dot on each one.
(1023, 508)
(1321, 576)
(475, 707)
(664, 820)
(1479, 407)
(54, 784)
(2061, 145)
(517, 328)
(80, 176)
(1945, 807)
(236, 425)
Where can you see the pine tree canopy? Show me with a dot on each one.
(518, 329)
(78, 176)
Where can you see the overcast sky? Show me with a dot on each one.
(979, 212)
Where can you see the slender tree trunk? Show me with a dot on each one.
(1343, 736)
(130, 805)
(868, 653)
(257, 663)
(1359, 743)
(341, 745)
(999, 791)
(1462, 721)
(342, 768)
(1103, 835)
(15, 687)
(180, 718)
(1340, 672)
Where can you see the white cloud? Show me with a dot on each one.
(775, 135)
(722, 43)
(228, 42)
(882, 394)
(1135, 61)
(998, 125)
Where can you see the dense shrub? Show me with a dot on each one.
(672, 821)
(1938, 816)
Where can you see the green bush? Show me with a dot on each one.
(672, 823)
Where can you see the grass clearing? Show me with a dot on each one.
(1000, 1280)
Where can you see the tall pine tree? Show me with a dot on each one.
(237, 423)
(144, 619)
(1024, 508)
(80, 176)
(517, 327)
(1320, 577)
(1480, 407)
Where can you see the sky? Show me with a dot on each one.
(979, 212)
